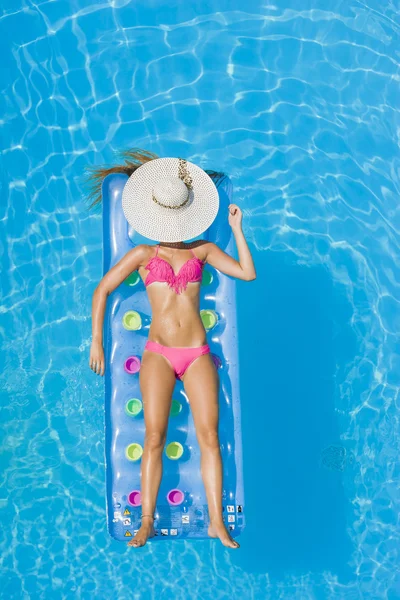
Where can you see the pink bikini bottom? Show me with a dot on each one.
(180, 357)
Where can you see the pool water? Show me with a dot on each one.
(300, 107)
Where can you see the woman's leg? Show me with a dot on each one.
(157, 382)
(201, 385)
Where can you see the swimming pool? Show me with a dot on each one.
(300, 108)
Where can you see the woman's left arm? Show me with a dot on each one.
(244, 267)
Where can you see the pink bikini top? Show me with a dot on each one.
(161, 270)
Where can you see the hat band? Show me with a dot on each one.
(184, 174)
(169, 206)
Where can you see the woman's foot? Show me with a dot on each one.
(219, 530)
(145, 531)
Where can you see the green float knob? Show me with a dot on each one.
(209, 318)
(206, 277)
(133, 407)
(133, 451)
(132, 320)
(174, 450)
(176, 408)
(132, 279)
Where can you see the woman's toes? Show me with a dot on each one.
(141, 538)
(222, 533)
(135, 543)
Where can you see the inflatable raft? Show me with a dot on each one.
(181, 509)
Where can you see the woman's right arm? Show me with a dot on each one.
(111, 280)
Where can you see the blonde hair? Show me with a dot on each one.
(132, 160)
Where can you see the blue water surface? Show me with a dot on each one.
(299, 104)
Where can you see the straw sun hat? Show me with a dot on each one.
(170, 200)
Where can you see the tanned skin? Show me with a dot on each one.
(175, 321)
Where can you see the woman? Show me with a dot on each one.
(177, 344)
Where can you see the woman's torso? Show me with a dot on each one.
(176, 317)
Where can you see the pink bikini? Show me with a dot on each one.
(160, 270)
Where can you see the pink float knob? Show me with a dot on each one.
(135, 498)
(132, 365)
(175, 497)
(217, 360)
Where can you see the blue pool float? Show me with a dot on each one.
(181, 508)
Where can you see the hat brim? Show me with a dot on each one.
(156, 222)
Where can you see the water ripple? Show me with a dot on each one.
(300, 107)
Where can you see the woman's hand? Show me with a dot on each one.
(96, 360)
(235, 216)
